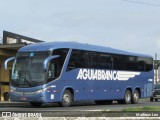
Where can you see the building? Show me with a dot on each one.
(8, 47)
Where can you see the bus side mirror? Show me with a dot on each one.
(6, 62)
(46, 61)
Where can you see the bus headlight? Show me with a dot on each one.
(39, 91)
(42, 90)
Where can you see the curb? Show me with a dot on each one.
(12, 104)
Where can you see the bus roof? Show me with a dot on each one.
(46, 46)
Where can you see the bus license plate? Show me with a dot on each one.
(23, 98)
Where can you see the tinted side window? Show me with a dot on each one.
(63, 54)
(149, 64)
(131, 63)
(77, 60)
(92, 60)
(120, 62)
(106, 61)
(144, 64)
(55, 66)
(141, 64)
(99, 60)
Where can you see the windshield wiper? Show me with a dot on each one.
(28, 82)
(35, 83)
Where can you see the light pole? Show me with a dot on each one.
(156, 70)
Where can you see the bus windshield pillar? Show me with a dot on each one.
(45, 63)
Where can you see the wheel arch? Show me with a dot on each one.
(71, 91)
(129, 88)
(126, 99)
(139, 90)
(132, 91)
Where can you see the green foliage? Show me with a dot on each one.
(146, 108)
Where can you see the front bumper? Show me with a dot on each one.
(26, 97)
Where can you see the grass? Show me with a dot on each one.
(146, 108)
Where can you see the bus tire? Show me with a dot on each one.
(66, 99)
(127, 97)
(135, 97)
(35, 104)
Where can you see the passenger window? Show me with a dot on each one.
(141, 65)
(106, 61)
(77, 60)
(131, 63)
(119, 62)
(92, 60)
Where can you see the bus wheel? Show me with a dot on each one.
(66, 99)
(135, 97)
(127, 97)
(34, 104)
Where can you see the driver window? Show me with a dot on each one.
(53, 70)
(56, 65)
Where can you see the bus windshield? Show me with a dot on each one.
(28, 70)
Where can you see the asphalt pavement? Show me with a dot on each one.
(12, 104)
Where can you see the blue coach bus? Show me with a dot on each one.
(64, 72)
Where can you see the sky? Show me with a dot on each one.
(122, 24)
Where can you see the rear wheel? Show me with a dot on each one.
(66, 99)
(156, 100)
(135, 97)
(35, 104)
(127, 97)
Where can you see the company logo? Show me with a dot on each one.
(6, 114)
(91, 74)
(22, 115)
